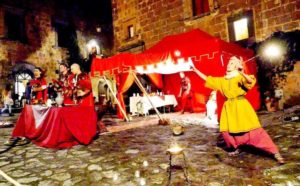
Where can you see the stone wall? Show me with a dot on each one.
(152, 20)
(41, 47)
(155, 19)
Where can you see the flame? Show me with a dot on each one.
(175, 149)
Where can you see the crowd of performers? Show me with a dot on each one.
(73, 84)
(239, 124)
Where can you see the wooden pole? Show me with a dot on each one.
(145, 92)
(118, 103)
(9, 179)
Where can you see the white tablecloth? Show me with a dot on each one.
(141, 105)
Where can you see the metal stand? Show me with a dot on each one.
(178, 167)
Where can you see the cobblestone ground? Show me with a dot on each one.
(116, 159)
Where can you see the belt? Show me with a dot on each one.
(236, 98)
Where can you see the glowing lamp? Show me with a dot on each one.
(93, 43)
(272, 51)
(175, 149)
(98, 29)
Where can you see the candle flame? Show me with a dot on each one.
(175, 149)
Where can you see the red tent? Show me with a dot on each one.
(209, 54)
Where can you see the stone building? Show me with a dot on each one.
(139, 24)
(148, 21)
(43, 34)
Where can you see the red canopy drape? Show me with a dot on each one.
(125, 81)
(156, 79)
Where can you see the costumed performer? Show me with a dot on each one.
(38, 87)
(63, 84)
(239, 123)
(81, 86)
(185, 92)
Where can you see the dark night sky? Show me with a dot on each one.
(99, 10)
(95, 10)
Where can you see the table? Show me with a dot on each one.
(57, 127)
(141, 104)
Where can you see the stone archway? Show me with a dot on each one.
(22, 73)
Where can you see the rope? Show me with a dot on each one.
(9, 179)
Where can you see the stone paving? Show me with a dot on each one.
(138, 156)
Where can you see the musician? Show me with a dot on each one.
(81, 86)
(239, 123)
(63, 84)
(38, 87)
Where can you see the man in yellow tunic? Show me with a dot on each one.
(239, 123)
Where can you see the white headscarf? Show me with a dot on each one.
(237, 64)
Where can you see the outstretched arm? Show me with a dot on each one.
(203, 76)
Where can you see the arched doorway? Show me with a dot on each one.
(21, 79)
(23, 73)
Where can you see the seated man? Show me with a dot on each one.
(81, 86)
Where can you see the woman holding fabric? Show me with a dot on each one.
(239, 123)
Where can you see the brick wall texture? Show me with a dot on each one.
(155, 19)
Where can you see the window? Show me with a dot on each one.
(130, 31)
(65, 34)
(15, 26)
(241, 27)
(200, 7)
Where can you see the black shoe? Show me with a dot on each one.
(11, 114)
(23, 141)
(11, 141)
(17, 142)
